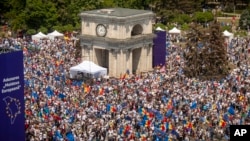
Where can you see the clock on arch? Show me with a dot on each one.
(101, 30)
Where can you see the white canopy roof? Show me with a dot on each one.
(174, 30)
(54, 34)
(88, 67)
(226, 33)
(159, 29)
(38, 36)
(229, 36)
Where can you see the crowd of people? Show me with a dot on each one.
(162, 105)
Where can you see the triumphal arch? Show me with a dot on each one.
(119, 39)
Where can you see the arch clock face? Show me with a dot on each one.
(101, 30)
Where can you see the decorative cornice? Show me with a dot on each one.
(116, 20)
(109, 43)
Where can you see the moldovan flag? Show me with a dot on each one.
(148, 123)
(163, 128)
(222, 123)
(113, 109)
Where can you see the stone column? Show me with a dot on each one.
(128, 60)
(149, 57)
(113, 56)
(87, 51)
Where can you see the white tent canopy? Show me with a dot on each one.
(54, 34)
(38, 36)
(88, 67)
(174, 31)
(228, 35)
(159, 29)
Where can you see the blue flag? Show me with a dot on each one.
(225, 117)
(49, 91)
(166, 138)
(193, 105)
(231, 110)
(58, 136)
(108, 107)
(169, 113)
(70, 136)
(61, 95)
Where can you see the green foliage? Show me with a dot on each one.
(43, 30)
(31, 31)
(182, 18)
(64, 14)
(169, 27)
(241, 33)
(203, 17)
(228, 28)
(185, 27)
(162, 26)
(244, 21)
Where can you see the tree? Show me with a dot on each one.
(192, 54)
(206, 54)
(244, 21)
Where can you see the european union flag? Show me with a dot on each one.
(166, 138)
(231, 110)
(158, 116)
(164, 99)
(108, 107)
(193, 105)
(71, 119)
(49, 91)
(70, 136)
(169, 113)
(225, 117)
(61, 95)
(58, 136)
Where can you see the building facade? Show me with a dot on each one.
(119, 39)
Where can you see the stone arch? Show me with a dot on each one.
(136, 30)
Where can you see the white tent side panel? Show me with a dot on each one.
(88, 67)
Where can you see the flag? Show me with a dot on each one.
(169, 113)
(231, 110)
(170, 104)
(164, 99)
(49, 91)
(70, 136)
(108, 107)
(170, 127)
(35, 95)
(71, 119)
(225, 117)
(113, 109)
(126, 130)
(58, 135)
(166, 138)
(159, 116)
(61, 95)
(174, 132)
(189, 125)
(148, 123)
(193, 105)
(163, 127)
(222, 123)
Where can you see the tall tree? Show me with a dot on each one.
(206, 54)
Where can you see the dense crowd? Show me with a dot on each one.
(162, 105)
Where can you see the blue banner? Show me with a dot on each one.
(12, 97)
